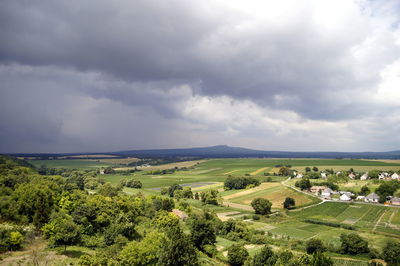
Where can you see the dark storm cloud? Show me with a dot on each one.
(289, 67)
(306, 64)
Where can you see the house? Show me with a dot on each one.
(372, 197)
(352, 176)
(317, 189)
(299, 175)
(101, 171)
(360, 198)
(364, 176)
(326, 193)
(323, 175)
(381, 176)
(395, 201)
(345, 197)
(395, 176)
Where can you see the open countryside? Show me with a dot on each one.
(312, 217)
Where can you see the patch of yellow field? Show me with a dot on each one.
(252, 190)
(384, 160)
(274, 170)
(164, 166)
(278, 197)
(259, 171)
(208, 186)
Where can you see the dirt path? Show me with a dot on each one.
(379, 220)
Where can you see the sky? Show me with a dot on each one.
(100, 75)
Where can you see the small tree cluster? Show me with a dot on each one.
(240, 182)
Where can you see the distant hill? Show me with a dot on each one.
(224, 151)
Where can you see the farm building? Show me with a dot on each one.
(395, 176)
(326, 193)
(372, 197)
(360, 198)
(395, 201)
(299, 175)
(323, 175)
(345, 197)
(317, 189)
(352, 176)
(364, 176)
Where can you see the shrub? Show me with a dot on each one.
(315, 245)
(237, 255)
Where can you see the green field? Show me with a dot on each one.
(81, 164)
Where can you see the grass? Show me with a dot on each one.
(274, 192)
(81, 164)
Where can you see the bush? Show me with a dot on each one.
(210, 250)
(332, 224)
(353, 244)
(289, 203)
(256, 217)
(237, 255)
(315, 245)
(391, 253)
(10, 238)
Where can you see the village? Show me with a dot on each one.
(326, 193)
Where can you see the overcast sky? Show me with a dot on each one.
(100, 75)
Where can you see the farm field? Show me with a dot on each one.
(274, 192)
(82, 164)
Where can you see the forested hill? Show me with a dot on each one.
(223, 151)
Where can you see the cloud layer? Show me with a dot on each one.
(109, 75)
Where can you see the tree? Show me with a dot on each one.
(365, 190)
(289, 203)
(177, 249)
(305, 184)
(315, 245)
(387, 189)
(320, 259)
(62, 230)
(261, 206)
(237, 255)
(265, 257)
(315, 169)
(353, 244)
(308, 169)
(202, 232)
(108, 190)
(172, 189)
(391, 253)
(210, 197)
(284, 171)
(144, 252)
(233, 182)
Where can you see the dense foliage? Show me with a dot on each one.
(233, 182)
(261, 206)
